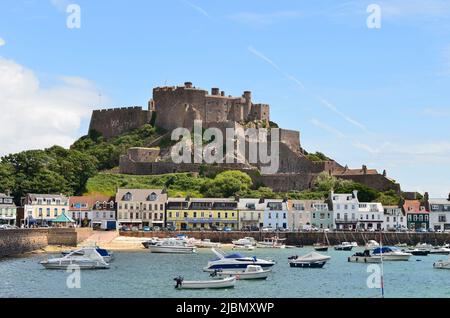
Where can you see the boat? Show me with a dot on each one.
(320, 247)
(441, 264)
(108, 256)
(390, 253)
(171, 245)
(245, 241)
(227, 282)
(271, 242)
(152, 241)
(206, 243)
(344, 246)
(243, 247)
(364, 257)
(89, 259)
(401, 245)
(440, 251)
(310, 260)
(371, 244)
(354, 244)
(251, 272)
(234, 261)
(417, 251)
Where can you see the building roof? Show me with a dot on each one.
(439, 201)
(413, 206)
(344, 197)
(308, 204)
(366, 206)
(30, 197)
(89, 200)
(141, 194)
(245, 204)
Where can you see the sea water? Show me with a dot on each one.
(143, 274)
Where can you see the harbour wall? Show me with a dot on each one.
(309, 238)
(16, 242)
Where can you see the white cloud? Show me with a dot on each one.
(2, 42)
(263, 19)
(61, 5)
(33, 117)
(437, 111)
(197, 8)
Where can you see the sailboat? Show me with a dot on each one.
(322, 247)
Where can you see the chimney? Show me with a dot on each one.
(384, 173)
(215, 91)
(188, 84)
(364, 168)
(222, 93)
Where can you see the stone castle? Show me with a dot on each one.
(173, 107)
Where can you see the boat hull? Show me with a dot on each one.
(364, 259)
(244, 276)
(442, 265)
(394, 258)
(343, 248)
(172, 249)
(319, 264)
(235, 267)
(321, 249)
(211, 284)
(93, 265)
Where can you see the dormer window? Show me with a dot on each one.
(152, 197)
(127, 197)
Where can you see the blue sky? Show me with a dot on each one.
(379, 97)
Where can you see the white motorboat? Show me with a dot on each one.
(272, 242)
(354, 244)
(442, 264)
(364, 257)
(243, 247)
(310, 260)
(440, 251)
(227, 282)
(172, 245)
(108, 256)
(234, 262)
(244, 241)
(251, 272)
(371, 244)
(390, 253)
(417, 251)
(89, 259)
(401, 245)
(344, 246)
(206, 243)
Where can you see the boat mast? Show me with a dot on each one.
(382, 267)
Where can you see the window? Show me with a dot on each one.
(126, 206)
(161, 216)
(48, 211)
(387, 219)
(127, 197)
(338, 216)
(195, 214)
(415, 218)
(226, 215)
(442, 218)
(40, 212)
(420, 217)
(170, 214)
(270, 215)
(426, 217)
(314, 215)
(284, 215)
(161, 207)
(156, 207)
(185, 214)
(56, 212)
(152, 197)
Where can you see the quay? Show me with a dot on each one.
(308, 238)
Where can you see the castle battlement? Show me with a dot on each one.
(118, 109)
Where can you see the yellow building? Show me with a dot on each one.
(197, 214)
(42, 209)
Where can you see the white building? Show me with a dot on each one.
(251, 213)
(8, 209)
(439, 214)
(275, 214)
(344, 209)
(394, 218)
(42, 209)
(370, 216)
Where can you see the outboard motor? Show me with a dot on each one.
(179, 281)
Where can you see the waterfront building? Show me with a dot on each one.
(275, 214)
(305, 214)
(8, 209)
(370, 216)
(417, 217)
(141, 207)
(345, 209)
(92, 210)
(250, 214)
(198, 214)
(439, 213)
(42, 209)
(394, 219)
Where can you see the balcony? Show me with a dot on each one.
(346, 221)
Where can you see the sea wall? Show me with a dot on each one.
(16, 242)
(309, 238)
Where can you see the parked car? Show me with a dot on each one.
(135, 229)
(267, 229)
(156, 228)
(146, 228)
(421, 230)
(171, 228)
(227, 229)
(125, 229)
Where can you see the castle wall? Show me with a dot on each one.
(143, 154)
(290, 138)
(376, 181)
(113, 122)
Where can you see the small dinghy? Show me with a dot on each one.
(227, 282)
(442, 264)
(251, 272)
(345, 246)
(320, 247)
(417, 251)
(364, 257)
(310, 260)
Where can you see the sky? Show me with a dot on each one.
(374, 96)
